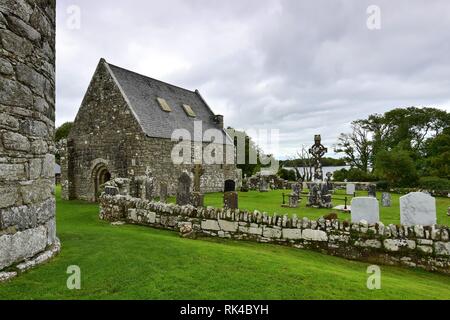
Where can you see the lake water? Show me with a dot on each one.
(327, 169)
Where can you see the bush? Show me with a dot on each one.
(383, 185)
(434, 183)
(354, 175)
(288, 175)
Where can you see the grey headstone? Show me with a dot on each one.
(163, 192)
(365, 208)
(372, 190)
(386, 199)
(351, 189)
(417, 208)
(184, 196)
(230, 200)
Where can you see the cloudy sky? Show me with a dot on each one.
(302, 67)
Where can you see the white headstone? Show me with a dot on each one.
(365, 208)
(417, 208)
(351, 188)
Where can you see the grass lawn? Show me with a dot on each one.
(131, 262)
(271, 203)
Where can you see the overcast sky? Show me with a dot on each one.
(303, 67)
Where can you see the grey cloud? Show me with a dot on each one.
(303, 67)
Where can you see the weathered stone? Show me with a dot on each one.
(31, 78)
(397, 244)
(22, 245)
(251, 230)
(12, 172)
(24, 29)
(35, 128)
(35, 168)
(314, 235)
(442, 248)
(211, 225)
(15, 44)
(228, 226)
(15, 142)
(6, 67)
(8, 122)
(292, 234)
(417, 208)
(15, 94)
(39, 147)
(8, 196)
(272, 233)
(365, 208)
(425, 249)
(371, 243)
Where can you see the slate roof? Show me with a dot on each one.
(142, 93)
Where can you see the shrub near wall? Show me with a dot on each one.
(424, 247)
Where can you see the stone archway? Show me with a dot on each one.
(100, 175)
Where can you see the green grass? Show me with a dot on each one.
(131, 262)
(271, 203)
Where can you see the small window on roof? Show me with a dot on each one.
(164, 105)
(189, 111)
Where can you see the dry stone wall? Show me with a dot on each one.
(27, 114)
(423, 247)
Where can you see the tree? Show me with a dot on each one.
(62, 132)
(437, 155)
(397, 167)
(356, 146)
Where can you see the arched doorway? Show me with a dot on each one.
(100, 176)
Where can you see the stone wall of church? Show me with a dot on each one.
(27, 115)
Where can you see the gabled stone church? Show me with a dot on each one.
(124, 129)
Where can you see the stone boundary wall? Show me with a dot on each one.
(27, 126)
(423, 247)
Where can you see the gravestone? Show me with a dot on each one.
(448, 211)
(372, 190)
(351, 189)
(318, 151)
(365, 208)
(184, 196)
(163, 192)
(230, 196)
(197, 196)
(417, 208)
(293, 201)
(263, 185)
(386, 200)
(149, 182)
(230, 186)
(329, 183)
(296, 189)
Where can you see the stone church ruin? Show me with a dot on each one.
(124, 129)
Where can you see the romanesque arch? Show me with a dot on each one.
(100, 174)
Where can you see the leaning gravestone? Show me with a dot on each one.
(184, 196)
(386, 199)
(351, 189)
(417, 208)
(230, 196)
(365, 208)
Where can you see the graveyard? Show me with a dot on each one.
(134, 262)
(270, 203)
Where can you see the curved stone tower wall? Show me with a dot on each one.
(27, 115)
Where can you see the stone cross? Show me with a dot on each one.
(318, 151)
(198, 171)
